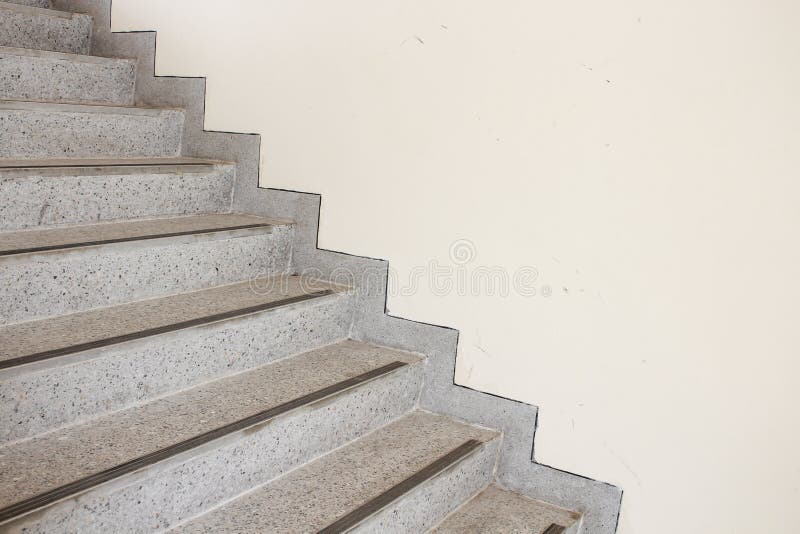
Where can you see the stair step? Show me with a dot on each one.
(49, 195)
(402, 478)
(57, 271)
(91, 235)
(498, 511)
(84, 367)
(232, 434)
(36, 130)
(26, 26)
(44, 76)
(34, 341)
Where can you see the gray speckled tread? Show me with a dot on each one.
(31, 26)
(46, 196)
(50, 239)
(40, 464)
(39, 130)
(39, 75)
(499, 511)
(65, 332)
(10, 165)
(314, 496)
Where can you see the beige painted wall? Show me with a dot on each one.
(643, 156)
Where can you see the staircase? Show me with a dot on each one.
(177, 354)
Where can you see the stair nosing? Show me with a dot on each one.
(99, 163)
(21, 508)
(129, 239)
(20, 361)
(64, 56)
(37, 106)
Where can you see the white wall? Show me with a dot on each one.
(643, 156)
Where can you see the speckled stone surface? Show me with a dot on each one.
(33, 3)
(68, 389)
(318, 494)
(499, 511)
(94, 325)
(32, 130)
(42, 197)
(184, 486)
(37, 465)
(56, 77)
(44, 29)
(66, 236)
(425, 507)
(36, 286)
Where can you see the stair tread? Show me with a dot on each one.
(73, 332)
(68, 56)
(42, 463)
(497, 511)
(37, 240)
(103, 162)
(68, 107)
(318, 494)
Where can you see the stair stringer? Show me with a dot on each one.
(598, 502)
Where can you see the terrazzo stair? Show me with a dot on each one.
(54, 192)
(34, 130)
(37, 75)
(148, 467)
(73, 367)
(404, 477)
(26, 26)
(61, 270)
(499, 511)
(161, 367)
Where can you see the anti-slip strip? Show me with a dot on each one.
(199, 321)
(83, 484)
(66, 246)
(397, 491)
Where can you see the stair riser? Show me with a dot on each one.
(40, 198)
(29, 28)
(35, 286)
(185, 486)
(73, 388)
(431, 502)
(41, 134)
(48, 79)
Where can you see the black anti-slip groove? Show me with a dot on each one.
(350, 520)
(114, 340)
(67, 490)
(554, 529)
(86, 164)
(65, 246)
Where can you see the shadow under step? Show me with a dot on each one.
(231, 434)
(31, 26)
(498, 511)
(404, 477)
